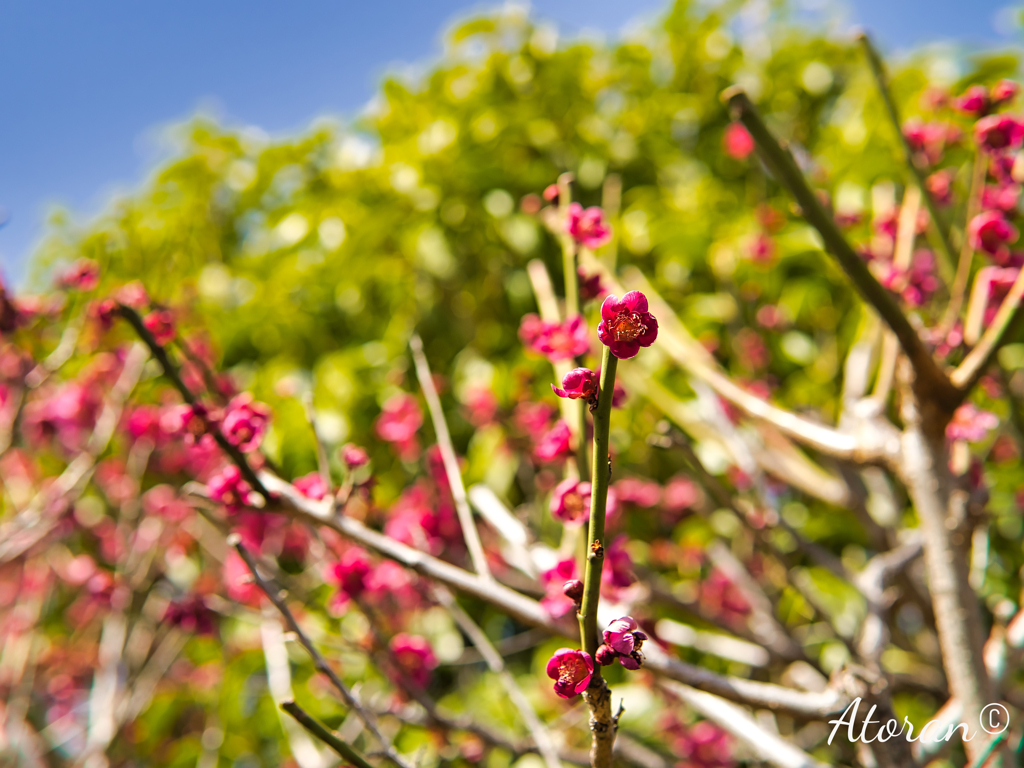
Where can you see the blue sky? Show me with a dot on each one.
(88, 86)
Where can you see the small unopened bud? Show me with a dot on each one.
(573, 589)
(605, 655)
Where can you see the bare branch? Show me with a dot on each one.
(766, 745)
(367, 717)
(878, 70)
(528, 611)
(541, 736)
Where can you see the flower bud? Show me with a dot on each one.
(605, 655)
(573, 589)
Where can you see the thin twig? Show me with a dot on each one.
(451, 463)
(344, 750)
(1006, 321)
(322, 463)
(367, 717)
(963, 268)
(171, 373)
(541, 735)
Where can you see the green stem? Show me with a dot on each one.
(601, 474)
(573, 306)
(344, 750)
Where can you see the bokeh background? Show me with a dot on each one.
(90, 88)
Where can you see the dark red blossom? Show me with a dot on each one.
(192, 615)
(571, 670)
(626, 325)
(998, 132)
(349, 575)
(160, 323)
(590, 285)
(991, 232)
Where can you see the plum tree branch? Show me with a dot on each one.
(931, 381)
(342, 748)
(365, 715)
(878, 70)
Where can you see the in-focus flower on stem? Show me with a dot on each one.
(587, 226)
(571, 670)
(626, 325)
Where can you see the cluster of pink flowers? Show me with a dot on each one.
(970, 423)
(192, 615)
(245, 422)
(230, 489)
(701, 745)
(916, 284)
(978, 100)
(622, 641)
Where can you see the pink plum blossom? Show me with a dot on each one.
(398, 423)
(229, 488)
(312, 486)
(570, 502)
(991, 232)
(571, 670)
(353, 456)
(737, 141)
(998, 132)
(245, 422)
(587, 226)
(160, 323)
(975, 101)
(554, 444)
(556, 341)
(83, 275)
